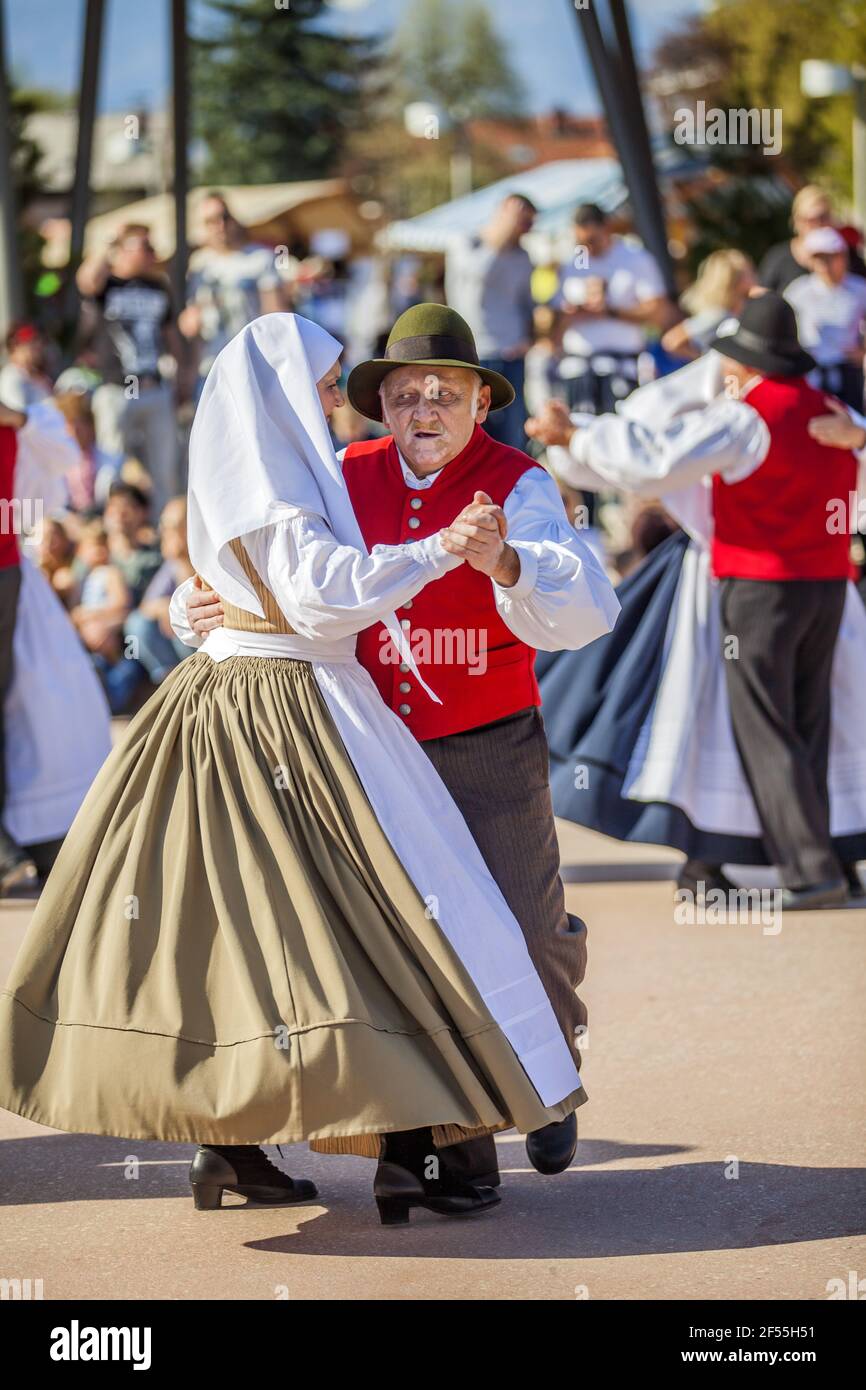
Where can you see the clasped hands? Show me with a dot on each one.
(477, 535)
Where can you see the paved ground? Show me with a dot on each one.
(714, 1050)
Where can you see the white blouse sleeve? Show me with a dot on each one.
(727, 437)
(562, 599)
(177, 614)
(329, 590)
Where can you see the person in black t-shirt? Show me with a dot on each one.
(787, 261)
(128, 317)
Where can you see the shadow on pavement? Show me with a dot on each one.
(588, 1213)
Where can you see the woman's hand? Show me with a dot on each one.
(204, 611)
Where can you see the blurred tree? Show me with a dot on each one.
(274, 95)
(24, 102)
(449, 54)
(740, 54)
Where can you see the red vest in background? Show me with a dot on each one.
(478, 668)
(9, 554)
(782, 522)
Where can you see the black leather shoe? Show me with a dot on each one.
(402, 1182)
(698, 877)
(397, 1190)
(831, 893)
(244, 1169)
(551, 1149)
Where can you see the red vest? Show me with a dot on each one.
(8, 538)
(782, 522)
(478, 668)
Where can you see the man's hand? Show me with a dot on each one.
(204, 611)
(477, 535)
(838, 430)
(552, 426)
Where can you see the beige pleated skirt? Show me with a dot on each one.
(228, 949)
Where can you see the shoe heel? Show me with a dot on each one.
(207, 1196)
(393, 1211)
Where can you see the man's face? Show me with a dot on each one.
(219, 224)
(520, 217)
(594, 237)
(123, 515)
(431, 412)
(831, 267)
(134, 256)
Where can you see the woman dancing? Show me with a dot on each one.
(269, 922)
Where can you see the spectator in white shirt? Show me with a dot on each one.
(610, 293)
(830, 305)
(232, 280)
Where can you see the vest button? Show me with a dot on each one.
(404, 622)
(416, 503)
(405, 709)
(414, 522)
(405, 687)
(404, 666)
(408, 603)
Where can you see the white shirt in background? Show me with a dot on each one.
(631, 277)
(829, 317)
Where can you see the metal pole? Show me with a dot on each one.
(655, 233)
(859, 145)
(624, 116)
(11, 286)
(180, 119)
(90, 61)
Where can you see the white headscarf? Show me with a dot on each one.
(260, 448)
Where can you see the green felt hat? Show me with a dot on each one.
(427, 335)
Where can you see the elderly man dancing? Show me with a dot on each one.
(529, 583)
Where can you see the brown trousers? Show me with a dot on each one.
(499, 776)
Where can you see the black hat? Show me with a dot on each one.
(766, 338)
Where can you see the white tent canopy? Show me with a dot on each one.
(556, 189)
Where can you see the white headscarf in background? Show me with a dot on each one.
(260, 449)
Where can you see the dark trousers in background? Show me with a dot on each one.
(499, 776)
(507, 426)
(779, 693)
(10, 585)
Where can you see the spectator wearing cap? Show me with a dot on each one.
(24, 380)
(830, 304)
(789, 260)
(488, 282)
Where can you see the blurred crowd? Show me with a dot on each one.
(586, 330)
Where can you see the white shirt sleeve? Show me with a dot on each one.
(328, 590)
(727, 437)
(325, 589)
(177, 615)
(563, 599)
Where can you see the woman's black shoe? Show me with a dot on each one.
(246, 1170)
(401, 1182)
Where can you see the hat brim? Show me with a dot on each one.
(362, 388)
(769, 363)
